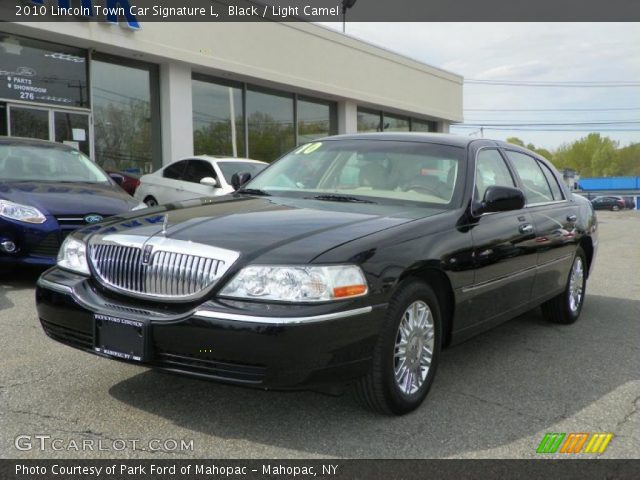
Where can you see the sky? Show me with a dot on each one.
(537, 52)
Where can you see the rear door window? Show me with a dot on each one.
(536, 187)
(553, 182)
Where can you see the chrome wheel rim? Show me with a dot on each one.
(413, 350)
(151, 203)
(576, 285)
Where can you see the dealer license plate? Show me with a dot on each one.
(120, 337)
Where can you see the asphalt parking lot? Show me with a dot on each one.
(495, 396)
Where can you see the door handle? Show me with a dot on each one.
(572, 218)
(526, 228)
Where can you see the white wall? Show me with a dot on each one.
(299, 56)
(176, 111)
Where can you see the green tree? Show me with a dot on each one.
(540, 151)
(515, 141)
(591, 156)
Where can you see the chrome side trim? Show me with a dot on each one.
(494, 281)
(568, 256)
(57, 287)
(539, 204)
(281, 320)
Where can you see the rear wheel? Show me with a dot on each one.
(566, 307)
(615, 208)
(151, 201)
(407, 352)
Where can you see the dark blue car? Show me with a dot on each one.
(47, 190)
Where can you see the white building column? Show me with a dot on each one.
(347, 116)
(443, 127)
(176, 111)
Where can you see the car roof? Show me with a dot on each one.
(217, 158)
(442, 138)
(32, 142)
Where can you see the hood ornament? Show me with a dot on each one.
(164, 225)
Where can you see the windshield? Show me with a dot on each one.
(29, 163)
(380, 170)
(229, 168)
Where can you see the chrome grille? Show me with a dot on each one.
(164, 273)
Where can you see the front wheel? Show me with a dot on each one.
(566, 307)
(407, 352)
(151, 201)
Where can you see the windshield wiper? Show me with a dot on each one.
(341, 198)
(254, 191)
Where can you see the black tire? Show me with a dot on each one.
(561, 309)
(378, 390)
(151, 201)
(615, 208)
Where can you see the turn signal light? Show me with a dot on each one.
(349, 291)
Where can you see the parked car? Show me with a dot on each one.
(48, 190)
(195, 177)
(128, 181)
(608, 203)
(352, 259)
(628, 202)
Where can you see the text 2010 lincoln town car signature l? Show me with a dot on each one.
(352, 259)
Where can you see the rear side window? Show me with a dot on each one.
(491, 170)
(175, 170)
(536, 187)
(553, 182)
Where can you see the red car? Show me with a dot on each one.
(127, 181)
(608, 203)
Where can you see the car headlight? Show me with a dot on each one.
(22, 213)
(73, 256)
(297, 283)
(140, 206)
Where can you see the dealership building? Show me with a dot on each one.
(135, 99)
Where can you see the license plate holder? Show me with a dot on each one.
(121, 338)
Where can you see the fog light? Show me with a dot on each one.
(8, 246)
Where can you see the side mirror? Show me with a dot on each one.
(116, 177)
(210, 182)
(239, 179)
(501, 199)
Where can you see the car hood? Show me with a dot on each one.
(264, 229)
(63, 198)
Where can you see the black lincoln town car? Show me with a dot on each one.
(351, 260)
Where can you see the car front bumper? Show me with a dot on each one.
(268, 346)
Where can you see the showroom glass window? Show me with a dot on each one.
(270, 122)
(316, 119)
(423, 125)
(126, 115)
(218, 121)
(393, 123)
(369, 121)
(3, 119)
(34, 71)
